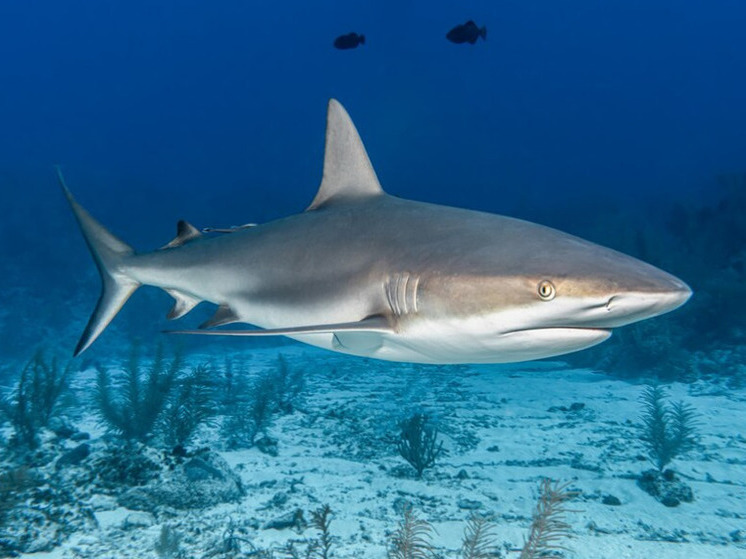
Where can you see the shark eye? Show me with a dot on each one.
(546, 290)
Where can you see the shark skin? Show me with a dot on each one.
(369, 274)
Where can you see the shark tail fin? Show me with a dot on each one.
(110, 255)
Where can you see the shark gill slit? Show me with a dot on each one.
(401, 293)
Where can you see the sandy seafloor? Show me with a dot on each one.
(501, 440)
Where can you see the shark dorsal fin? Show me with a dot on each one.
(348, 174)
(185, 232)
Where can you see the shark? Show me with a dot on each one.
(366, 273)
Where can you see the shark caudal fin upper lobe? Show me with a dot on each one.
(110, 255)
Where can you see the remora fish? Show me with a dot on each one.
(369, 274)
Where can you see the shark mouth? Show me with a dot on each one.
(558, 339)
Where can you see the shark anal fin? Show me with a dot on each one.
(370, 324)
(182, 305)
(224, 315)
(185, 232)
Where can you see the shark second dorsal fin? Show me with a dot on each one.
(348, 173)
(185, 232)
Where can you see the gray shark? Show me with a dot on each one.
(366, 273)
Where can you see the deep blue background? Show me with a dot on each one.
(214, 111)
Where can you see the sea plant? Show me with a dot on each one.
(412, 538)
(321, 520)
(479, 538)
(168, 544)
(190, 407)
(35, 399)
(668, 429)
(131, 403)
(231, 546)
(13, 483)
(249, 411)
(548, 526)
(319, 547)
(262, 404)
(289, 384)
(418, 442)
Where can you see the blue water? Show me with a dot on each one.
(623, 122)
(568, 113)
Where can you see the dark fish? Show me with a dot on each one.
(467, 33)
(349, 41)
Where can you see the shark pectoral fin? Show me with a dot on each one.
(182, 305)
(224, 315)
(185, 232)
(370, 324)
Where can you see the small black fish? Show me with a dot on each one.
(467, 33)
(349, 41)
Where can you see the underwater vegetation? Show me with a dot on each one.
(669, 429)
(250, 408)
(36, 398)
(315, 548)
(412, 538)
(190, 407)
(549, 526)
(418, 442)
(132, 402)
(480, 538)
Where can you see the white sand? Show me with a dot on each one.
(340, 450)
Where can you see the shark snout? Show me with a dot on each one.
(632, 306)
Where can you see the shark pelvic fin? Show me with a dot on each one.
(185, 232)
(182, 305)
(110, 255)
(348, 173)
(224, 315)
(370, 324)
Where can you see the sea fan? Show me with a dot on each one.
(668, 430)
(479, 538)
(192, 406)
(132, 403)
(418, 442)
(548, 526)
(412, 538)
(321, 520)
(36, 398)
